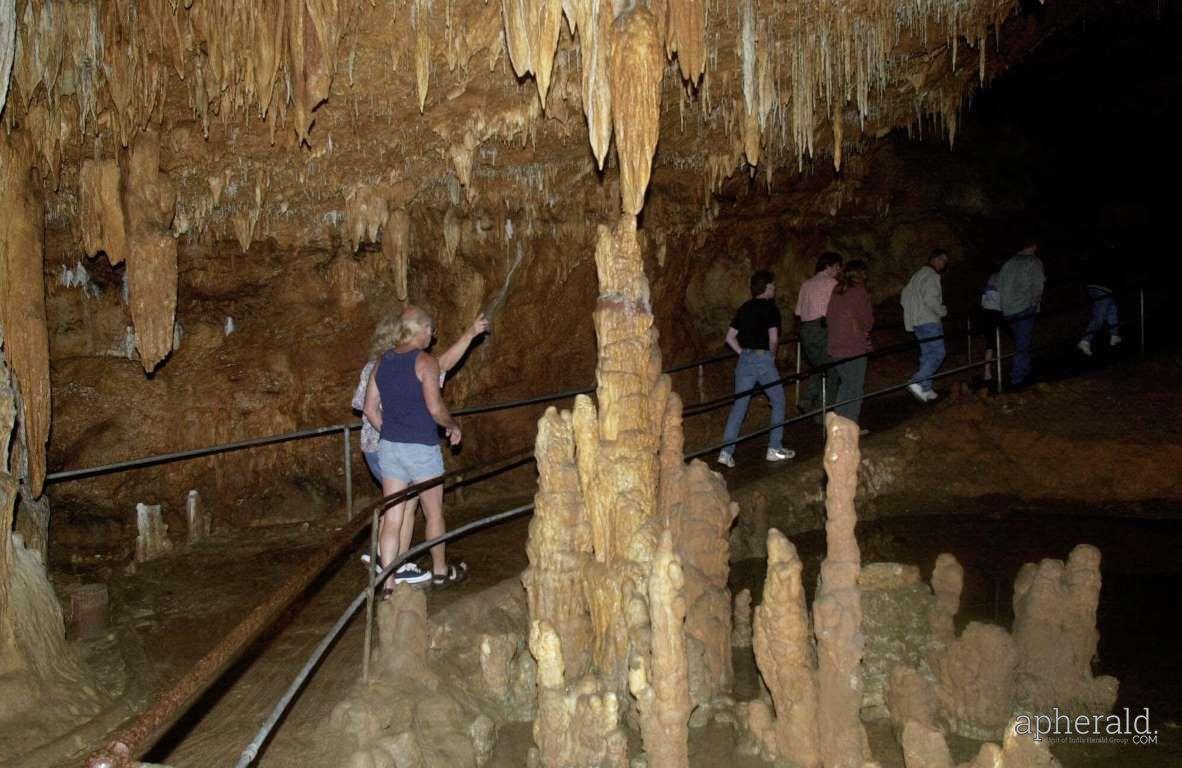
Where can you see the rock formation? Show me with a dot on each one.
(975, 680)
(1056, 635)
(837, 611)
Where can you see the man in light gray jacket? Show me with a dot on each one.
(1020, 284)
(923, 309)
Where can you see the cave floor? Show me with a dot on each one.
(171, 610)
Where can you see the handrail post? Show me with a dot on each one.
(968, 332)
(824, 399)
(1141, 325)
(373, 562)
(348, 474)
(796, 384)
(701, 384)
(997, 355)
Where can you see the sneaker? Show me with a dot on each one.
(1085, 346)
(726, 460)
(779, 454)
(377, 568)
(930, 395)
(1113, 340)
(409, 573)
(918, 393)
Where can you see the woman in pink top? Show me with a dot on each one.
(850, 317)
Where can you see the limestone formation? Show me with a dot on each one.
(741, 631)
(910, 698)
(661, 686)
(636, 69)
(366, 213)
(685, 35)
(7, 46)
(947, 583)
(975, 679)
(1056, 635)
(784, 653)
(101, 218)
(594, 20)
(396, 249)
(22, 299)
(837, 611)
(197, 516)
(924, 747)
(151, 539)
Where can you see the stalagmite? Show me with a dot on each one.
(197, 516)
(151, 539)
(1055, 632)
(947, 583)
(22, 297)
(741, 631)
(975, 681)
(686, 36)
(149, 204)
(784, 653)
(661, 686)
(636, 70)
(396, 249)
(837, 611)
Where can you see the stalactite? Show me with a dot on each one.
(22, 298)
(396, 249)
(366, 212)
(421, 22)
(685, 36)
(595, 24)
(7, 47)
(636, 70)
(313, 32)
(837, 139)
(149, 204)
(747, 55)
(100, 214)
(518, 30)
(545, 25)
(452, 228)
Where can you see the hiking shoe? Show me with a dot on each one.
(409, 573)
(918, 392)
(779, 454)
(726, 460)
(377, 567)
(1113, 340)
(1085, 346)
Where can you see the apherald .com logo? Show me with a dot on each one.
(1117, 728)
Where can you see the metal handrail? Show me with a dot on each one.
(167, 707)
(252, 749)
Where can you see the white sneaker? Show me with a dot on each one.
(409, 573)
(1085, 346)
(726, 460)
(779, 454)
(930, 395)
(1113, 340)
(918, 393)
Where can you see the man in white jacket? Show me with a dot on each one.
(923, 309)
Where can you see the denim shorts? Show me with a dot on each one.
(410, 462)
(374, 462)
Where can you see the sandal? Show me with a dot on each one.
(454, 575)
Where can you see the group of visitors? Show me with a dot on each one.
(399, 394)
(837, 315)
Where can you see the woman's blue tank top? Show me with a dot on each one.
(405, 418)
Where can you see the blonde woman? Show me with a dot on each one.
(404, 404)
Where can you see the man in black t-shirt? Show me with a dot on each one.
(754, 335)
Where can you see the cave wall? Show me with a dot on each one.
(293, 134)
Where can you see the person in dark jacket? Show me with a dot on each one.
(1102, 280)
(850, 318)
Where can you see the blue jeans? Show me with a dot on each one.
(755, 368)
(931, 353)
(1103, 313)
(1022, 327)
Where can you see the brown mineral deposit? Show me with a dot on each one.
(910, 697)
(741, 632)
(22, 297)
(101, 216)
(661, 686)
(924, 747)
(686, 36)
(396, 250)
(947, 584)
(636, 69)
(837, 611)
(1056, 635)
(149, 204)
(784, 652)
(595, 25)
(975, 681)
